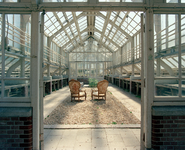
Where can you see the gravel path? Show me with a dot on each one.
(111, 111)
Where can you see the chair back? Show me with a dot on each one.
(102, 86)
(74, 86)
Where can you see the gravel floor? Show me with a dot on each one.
(111, 111)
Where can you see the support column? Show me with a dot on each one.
(41, 81)
(149, 71)
(142, 83)
(35, 75)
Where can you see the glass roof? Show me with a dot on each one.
(111, 30)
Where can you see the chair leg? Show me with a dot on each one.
(91, 94)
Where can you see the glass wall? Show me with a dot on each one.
(16, 82)
(169, 56)
(183, 53)
(0, 44)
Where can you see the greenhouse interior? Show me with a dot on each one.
(136, 45)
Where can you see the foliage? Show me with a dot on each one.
(93, 82)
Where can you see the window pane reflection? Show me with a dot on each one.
(17, 88)
(17, 45)
(166, 87)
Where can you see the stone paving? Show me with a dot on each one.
(94, 137)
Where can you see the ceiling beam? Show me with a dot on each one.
(103, 44)
(77, 26)
(96, 30)
(67, 25)
(121, 24)
(85, 30)
(61, 24)
(77, 45)
(105, 25)
(116, 26)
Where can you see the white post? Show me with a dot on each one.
(41, 81)
(142, 83)
(35, 74)
(149, 62)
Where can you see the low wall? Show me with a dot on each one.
(16, 128)
(168, 128)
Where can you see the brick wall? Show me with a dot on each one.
(15, 133)
(168, 132)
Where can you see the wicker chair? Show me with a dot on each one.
(101, 89)
(76, 92)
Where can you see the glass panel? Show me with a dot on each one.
(182, 1)
(17, 88)
(183, 45)
(183, 87)
(166, 45)
(121, 0)
(18, 45)
(109, 0)
(11, 1)
(171, 1)
(53, 0)
(73, 70)
(76, 0)
(80, 69)
(166, 87)
(0, 44)
(137, 1)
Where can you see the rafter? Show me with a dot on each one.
(116, 26)
(121, 24)
(105, 25)
(85, 30)
(103, 44)
(96, 30)
(67, 25)
(77, 26)
(55, 14)
(77, 45)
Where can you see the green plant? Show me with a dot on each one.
(114, 123)
(92, 82)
